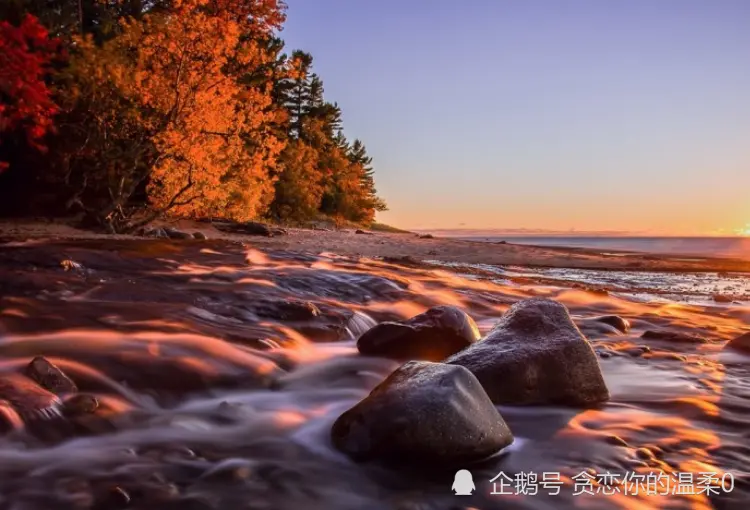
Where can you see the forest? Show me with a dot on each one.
(119, 112)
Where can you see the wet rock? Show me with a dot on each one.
(741, 343)
(672, 336)
(617, 322)
(721, 298)
(49, 376)
(536, 355)
(433, 335)
(158, 233)
(174, 233)
(638, 351)
(251, 228)
(286, 310)
(9, 418)
(617, 441)
(28, 399)
(70, 265)
(423, 412)
(406, 260)
(427, 236)
(80, 404)
(200, 236)
(363, 232)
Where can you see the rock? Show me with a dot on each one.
(200, 236)
(427, 236)
(741, 343)
(49, 377)
(158, 233)
(433, 335)
(423, 412)
(28, 399)
(173, 233)
(70, 265)
(360, 231)
(286, 310)
(721, 298)
(405, 260)
(80, 404)
(617, 322)
(251, 228)
(536, 355)
(672, 336)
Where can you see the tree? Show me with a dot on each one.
(26, 53)
(166, 98)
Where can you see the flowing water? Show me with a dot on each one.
(218, 385)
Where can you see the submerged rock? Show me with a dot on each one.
(536, 355)
(672, 336)
(423, 412)
(617, 322)
(49, 377)
(433, 335)
(28, 399)
(741, 343)
(286, 309)
(200, 236)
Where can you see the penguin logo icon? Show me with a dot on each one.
(463, 483)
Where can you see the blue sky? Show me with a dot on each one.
(559, 114)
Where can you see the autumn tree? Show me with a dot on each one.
(167, 112)
(26, 53)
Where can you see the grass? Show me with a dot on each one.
(382, 227)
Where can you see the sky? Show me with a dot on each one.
(585, 115)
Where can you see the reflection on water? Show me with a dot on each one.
(219, 370)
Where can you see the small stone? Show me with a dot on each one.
(70, 265)
(644, 454)
(617, 441)
(49, 376)
(200, 236)
(617, 322)
(79, 404)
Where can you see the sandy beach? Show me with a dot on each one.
(380, 244)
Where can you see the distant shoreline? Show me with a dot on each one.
(409, 247)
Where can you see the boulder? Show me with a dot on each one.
(741, 343)
(536, 355)
(423, 412)
(49, 376)
(174, 233)
(433, 335)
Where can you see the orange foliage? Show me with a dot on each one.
(172, 67)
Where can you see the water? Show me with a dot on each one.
(735, 247)
(217, 394)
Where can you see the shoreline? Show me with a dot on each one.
(410, 247)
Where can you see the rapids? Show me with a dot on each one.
(218, 383)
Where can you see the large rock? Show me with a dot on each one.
(536, 355)
(433, 335)
(423, 412)
(741, 343)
